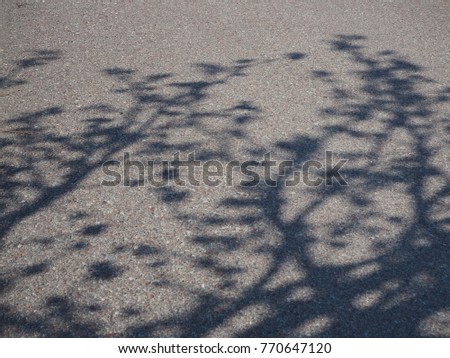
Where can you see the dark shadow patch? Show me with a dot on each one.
(130, 311)
(160, 283)
(246, 106)
(386, 53)
(93, 230)
(211, 68)
(80, 245)
(60, 305)
(117, 71)
(5, 285)
(35, 269)
(171, 196)
(104, 270)
(321, 74)
(243, 119)
(39, 58)
(245, 61)
(145, 250)
(295, 55)
(93, 308)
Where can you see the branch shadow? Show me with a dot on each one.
(365, 260)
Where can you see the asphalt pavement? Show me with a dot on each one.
(92, 91)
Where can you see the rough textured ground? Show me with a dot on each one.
(85, 81)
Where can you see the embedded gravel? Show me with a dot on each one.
(84, 82)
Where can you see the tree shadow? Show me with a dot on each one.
(401, 284)
(365, 260)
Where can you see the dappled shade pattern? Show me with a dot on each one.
(365, 260)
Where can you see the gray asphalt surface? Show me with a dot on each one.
(83, 82)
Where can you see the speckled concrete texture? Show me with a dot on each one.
(83, 82)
